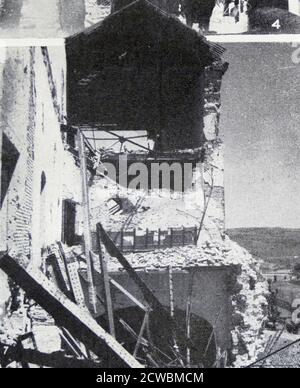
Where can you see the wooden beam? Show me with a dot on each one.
(64, 260)
(115, 252)
(58, 276)
(140, 337)
(71, 345)
(78, 346)
(171, 291)
(120, 288)
(123, 139)
(76, 285)
(67, 314)
(149, 296)
(107, 293)
(71, 269)
(86, 220)
(129, 295)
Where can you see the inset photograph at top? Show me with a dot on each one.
(241, 16)
(61, 18)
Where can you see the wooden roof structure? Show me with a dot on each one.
(139, 69)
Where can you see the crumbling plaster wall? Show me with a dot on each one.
(212, 288)
(171, 210)
(49, 155)
(4, 289)
(248, 302)
(18, 124)
(58, 167)
(243, 288)
(213, 169)
(32, 109)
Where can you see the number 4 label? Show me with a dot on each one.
(276, 24)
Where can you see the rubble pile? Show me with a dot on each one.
(4, 292)
(46, 334)
(249, 302)
(15, 321)
(250, 307)
(287, 358)
(155, 210)
(164, 209)
(11, 326)
(23, 316)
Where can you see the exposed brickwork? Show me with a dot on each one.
(17, 117)
(31, 113)
(52, 83)
(212, 98)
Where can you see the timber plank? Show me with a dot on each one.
(67, 314)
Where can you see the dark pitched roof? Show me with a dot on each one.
(139, 69)
(141, 19)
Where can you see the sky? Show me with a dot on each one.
(260, 125)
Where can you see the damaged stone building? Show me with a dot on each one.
(38, 178)
(152, 86)
(34, 182)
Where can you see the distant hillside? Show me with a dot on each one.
(268, 242)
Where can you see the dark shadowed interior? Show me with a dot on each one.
(140, 70)
(160, 339)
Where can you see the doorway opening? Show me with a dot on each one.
(69, 236)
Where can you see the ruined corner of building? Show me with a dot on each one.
(170, 238)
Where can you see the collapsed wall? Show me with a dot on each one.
(17, 158)
(157, 209)
(214, 249)
(248, 289)
(160, 208)
(202, 204)
(17, 132)
(37, 173)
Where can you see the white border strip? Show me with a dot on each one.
(31, 42)
(247, 38)
(238, 38)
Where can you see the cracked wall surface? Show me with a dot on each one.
(44, 174)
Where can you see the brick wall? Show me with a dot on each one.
(57, 166)
(17, 123)
(32, 110)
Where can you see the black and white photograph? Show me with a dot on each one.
(61, 18)
(149, 212)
